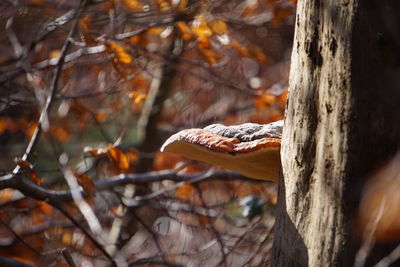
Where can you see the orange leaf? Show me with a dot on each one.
(240, 48)
(258, 54)
(155, 30)
(182, 5)
(264, 101)
(62, 134)
(119, 56)
(185, 192)
(210, 55)
(6, 195)
(137, 99)
(119, 158)
(119, 53)
(45, 208)
(185, 31)
(101, 116)
(201, 29)
(132, 155)
(34, 177)
(132, 5)
(282, 99)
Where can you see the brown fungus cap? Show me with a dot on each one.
(250, 149)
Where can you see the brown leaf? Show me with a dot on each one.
(86, 183)
(23, 163)
(84, 27)
(34, 177)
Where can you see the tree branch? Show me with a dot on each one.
(40, 193)
(43, 119)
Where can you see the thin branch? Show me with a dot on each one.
(153, 261)
(19, 238)
(70, 57)
(389, 259)
(40, 193)
(58, 205)
(43, 119)
(49, 28)
(13, 263)
(68, 258)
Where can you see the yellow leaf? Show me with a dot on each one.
(163, 5)
(55, 54)
(219, 26)
(201, 29)
(67, 238)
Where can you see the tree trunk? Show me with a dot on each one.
(342, 121)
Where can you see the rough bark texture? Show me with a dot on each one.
(342, 121)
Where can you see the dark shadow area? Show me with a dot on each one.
(375, 106)
(286, 235)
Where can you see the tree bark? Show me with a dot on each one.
(342, 121)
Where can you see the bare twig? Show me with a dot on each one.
(40, 193)
(68, 258)
(13, 263)
(43, 119)
(19, 238)
(58, 205)
(389, 259)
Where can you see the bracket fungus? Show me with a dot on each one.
(250, 149)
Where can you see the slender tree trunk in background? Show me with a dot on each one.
(342, 121)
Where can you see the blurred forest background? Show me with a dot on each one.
(90, 89)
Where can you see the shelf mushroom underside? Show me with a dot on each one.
(259, 158)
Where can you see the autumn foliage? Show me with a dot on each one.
(91, 89)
